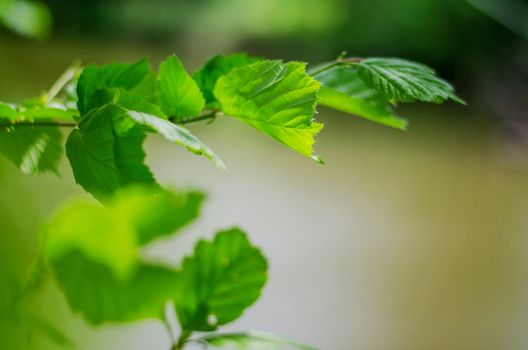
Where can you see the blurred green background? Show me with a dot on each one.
(403, 241)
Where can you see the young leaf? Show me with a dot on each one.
(276, 98)
(106, 152)
(47, 113)
(251, 340)
(149, 115)
(7, 111)
(93, 290)
(33, 149)
(216, 67)
(97, 263)
(96, 233)
(343, 90)
(405, 81)
(176, 134)
(156, 213)
(179, 95)
(114, 75)
(219, 281)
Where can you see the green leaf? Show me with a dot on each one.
(179, 95)
(251, 340)
(95, 232)
(47, 113)
(149, 115)
(33, 149)
(216, 67)
(94, 78)
(176, 134)
(94, 252)
(343, 90)
(405, 81)
(31, 19)
(219, 281)
(276, 98)
(93, 290)
(106, 152)
(7, 111)
(157, 213)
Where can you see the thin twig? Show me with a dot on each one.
(182, 340)
(42, 123)
(61, 82)
(208, 115)
(350, 61)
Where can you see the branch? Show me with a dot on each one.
(182, 340)
(350, 61)
(204, 116)
(42, 123)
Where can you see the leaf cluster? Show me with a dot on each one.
(114, 107)
(99, 264)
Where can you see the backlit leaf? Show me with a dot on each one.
(276, 98)
(179, 95)
(33, 149)
(216, 67)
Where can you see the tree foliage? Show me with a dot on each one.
(95, 251)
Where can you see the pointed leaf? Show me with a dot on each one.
(219, 281)
(276, 98)
(179, 95)
(405, 81)
(176, 134)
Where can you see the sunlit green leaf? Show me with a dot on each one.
(32, 149)
(216, 67)
(405, 81)
(155, 214)
(179, 95)
(102, 237)
(219, 281)
(276, 98)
